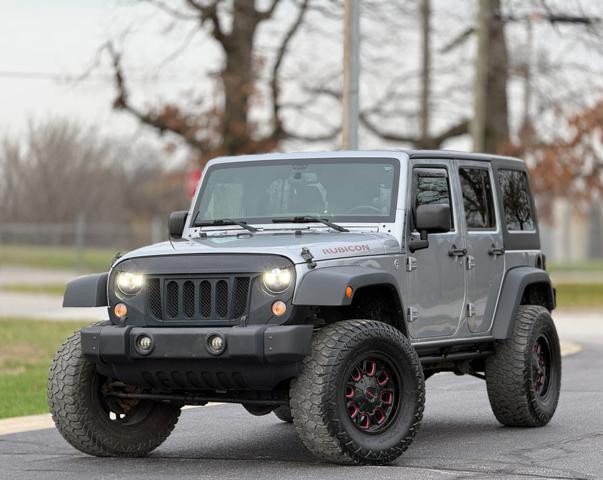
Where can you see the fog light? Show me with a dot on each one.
(120, 310)
(279, 308)
(144, 342)
(215, 344)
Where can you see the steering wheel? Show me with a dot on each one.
(359, 208)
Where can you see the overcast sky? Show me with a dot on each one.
(46, 45)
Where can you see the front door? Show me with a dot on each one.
(436, 274)
(484, 242)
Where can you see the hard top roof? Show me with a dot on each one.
(431, 154)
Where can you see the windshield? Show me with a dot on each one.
(341, 190)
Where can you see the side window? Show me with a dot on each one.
(516, 200)
(432, 187)
(478, 200)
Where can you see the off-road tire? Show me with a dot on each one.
(284, 413)
(76, 408)
(510, 378)
(318, 405)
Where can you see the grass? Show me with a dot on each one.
(579, 295)
(42, 288)
(26, 351)
(62, 258)
(575, 267)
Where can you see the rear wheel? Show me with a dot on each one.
(360, 396)
(524, 375)
(95, 421)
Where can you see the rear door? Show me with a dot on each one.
(485, 261)
(435, 275)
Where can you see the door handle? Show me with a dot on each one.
(457, 252)
(495, 251)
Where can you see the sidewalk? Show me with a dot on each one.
(30, 305)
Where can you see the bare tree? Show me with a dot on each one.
(228, 127)
(59, 171)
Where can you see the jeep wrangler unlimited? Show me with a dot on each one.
(325, 288)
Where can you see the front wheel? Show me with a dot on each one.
(96, 422)
(524, 375)
(360, 396)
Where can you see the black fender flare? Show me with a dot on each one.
(87, 291)
(514, 285)
(326, 286)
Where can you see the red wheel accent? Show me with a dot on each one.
(356, 374)
(371, 368)
(379, 415)
(383, 378)
(353, 411)
(365, 421)
(350, 391)
(387, 397)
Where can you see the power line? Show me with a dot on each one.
(71, 77)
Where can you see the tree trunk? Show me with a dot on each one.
(238, 79)
(491, 119)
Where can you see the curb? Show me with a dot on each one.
(570, 348)
(44, 421)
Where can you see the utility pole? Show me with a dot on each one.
(425, 70)
(478, 125)
(351, 74)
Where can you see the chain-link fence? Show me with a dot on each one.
(83, 234)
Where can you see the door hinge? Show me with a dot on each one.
(470, 262)
(413, 314)
(470, 309)
(411, 264)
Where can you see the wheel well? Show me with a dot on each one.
(538, 294)
(374, 302)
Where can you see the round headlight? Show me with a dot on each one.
(129, 283)
(277, 280)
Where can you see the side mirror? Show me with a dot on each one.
(430, 219)
(176, 223)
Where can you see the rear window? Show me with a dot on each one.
(517, 204)
(477, 198)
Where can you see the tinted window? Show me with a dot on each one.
(477, 198)
(516, 200)
(431, 187)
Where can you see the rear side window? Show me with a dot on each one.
(516, 200)
(432, 188)
(478, 200)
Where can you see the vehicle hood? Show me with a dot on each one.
(322, 245)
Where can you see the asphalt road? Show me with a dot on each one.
(459, 438)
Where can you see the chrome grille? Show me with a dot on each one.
(174, 299)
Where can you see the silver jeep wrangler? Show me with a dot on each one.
(325, 288)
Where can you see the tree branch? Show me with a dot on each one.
(265, 15)
(277, 130)
(167, 121)
(433, 142)
(210, 13)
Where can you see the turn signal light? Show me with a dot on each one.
(279, 308)
(120, 310)
(349, 292)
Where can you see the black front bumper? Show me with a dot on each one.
(254, 357)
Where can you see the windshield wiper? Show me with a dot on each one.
(310, 219)
(224, 221)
